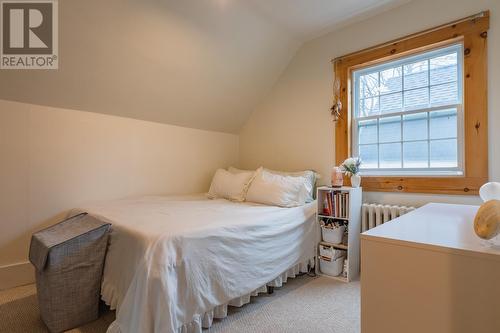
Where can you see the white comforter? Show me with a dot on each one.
(171, 259)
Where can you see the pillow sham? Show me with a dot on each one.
(230, 186)
(277, 190)
(309, 176)
(236, 170)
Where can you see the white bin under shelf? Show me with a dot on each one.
(333, 235)
(332, 268)
(329, 252)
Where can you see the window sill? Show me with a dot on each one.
(435, 185)
(411, 173)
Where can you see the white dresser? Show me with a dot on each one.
(427, 272)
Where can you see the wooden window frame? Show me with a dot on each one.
(472, 32)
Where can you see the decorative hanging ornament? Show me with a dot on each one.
(336, 108)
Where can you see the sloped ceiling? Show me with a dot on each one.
(308, 19)
(196, 63)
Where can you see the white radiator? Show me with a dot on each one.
(373, 215)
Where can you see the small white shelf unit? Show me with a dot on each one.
(353, 229)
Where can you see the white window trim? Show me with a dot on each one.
(418, 172)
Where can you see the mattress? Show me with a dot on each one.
(173, 259)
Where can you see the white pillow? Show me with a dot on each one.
(309, 176)
(277, 190)
(252, 173)
(236, 170)
(230, 186)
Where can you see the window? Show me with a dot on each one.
(416, 110)
(408, 114)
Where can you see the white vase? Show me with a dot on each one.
(355, 180)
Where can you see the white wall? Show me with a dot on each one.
(292, 128)
(149, 59)
(52, 160)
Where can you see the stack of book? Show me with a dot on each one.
(336, 204)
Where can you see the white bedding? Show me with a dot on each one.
(171, 259)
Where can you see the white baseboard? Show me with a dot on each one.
(17, 274)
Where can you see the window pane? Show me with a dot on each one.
(391, 80)
(391, 103)
(416, 75)
(390, 155)
(415, 126)
(368, 107)
(415, 154)
(443, 124)
(367, 130)
(368, 85)
(444, 153)
(417, 98)
(390, 129)
(444, 94)
(444, 68)
(369, 156)
(414, 109)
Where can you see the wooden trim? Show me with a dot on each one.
(472, 31)
(399, 40)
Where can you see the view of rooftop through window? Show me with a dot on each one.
(407, 114)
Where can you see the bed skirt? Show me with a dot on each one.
(219, 312)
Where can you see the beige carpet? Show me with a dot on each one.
(304, 304)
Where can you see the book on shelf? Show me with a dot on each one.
(336, 204)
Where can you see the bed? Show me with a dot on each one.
(176, 262)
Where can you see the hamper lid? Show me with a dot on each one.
(43, 240)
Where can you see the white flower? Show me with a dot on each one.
(351, 166)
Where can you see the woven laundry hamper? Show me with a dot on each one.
(69, 260)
